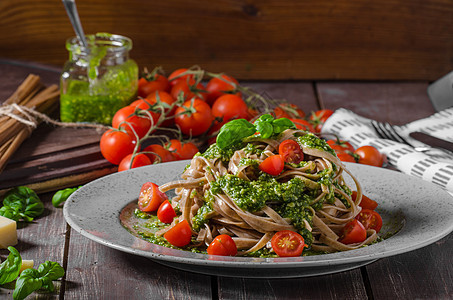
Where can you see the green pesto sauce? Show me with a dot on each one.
(249, 162)
(312, 141)
(202, 216)
(214, 152)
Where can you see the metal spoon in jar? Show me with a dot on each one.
(71, 9)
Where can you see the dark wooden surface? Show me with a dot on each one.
(266, 39)
(94, 271)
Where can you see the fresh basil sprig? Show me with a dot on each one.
(10, 268)
(235, 131)
(21, 203)
(62, 195)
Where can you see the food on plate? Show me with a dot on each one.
(274, 189)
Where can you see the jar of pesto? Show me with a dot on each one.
(97, 81)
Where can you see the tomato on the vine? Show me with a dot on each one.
(155, 82)
(287, 243)
(180, 150)
(150, 197)
(370, 219)
(272, 165)
(180, 234)
(346, 157)
(130, 162)
(340, 146)
(319, 117)
(116, 144)
(222, 245)
(161, 101)
(189, 89)
(288, 110)
(291, 151)
(369, 155)
(218, 86)
(157, 153)
(166, 213)
(132, 120)
(366, 202)
(303, 124)
(353, 232)
(194, 117)
(177, 75)
(229, 107)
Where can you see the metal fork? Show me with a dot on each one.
(386, 131)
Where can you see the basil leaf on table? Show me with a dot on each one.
(21, 203)
(233, 132)
(9, 269)
(61, 196)
(31, 280)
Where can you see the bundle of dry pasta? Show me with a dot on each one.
(18, 114)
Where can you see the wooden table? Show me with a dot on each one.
(94, 271)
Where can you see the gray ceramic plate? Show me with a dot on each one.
(419, 212)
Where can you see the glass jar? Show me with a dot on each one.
(98, 81)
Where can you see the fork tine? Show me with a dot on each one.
(379, 130)
(395, 134)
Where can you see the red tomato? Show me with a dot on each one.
(139, 160)
(182, 150)
(319, 117)
(288, 110)
(131, 120)
(303, 125)
(150, 197)
(291, 151)
(166, 213)
(370, 219)
(115, 145)
(343, 156)
(287, 243)
(369, 155)
(340, 146)
(177, 75)
(194, 117)
(159, 154)
(189, 89)
(353, 232)
(223, 245)
(217, 86)
(165, 99)
(155, 83)
(272, 165)
(366, 202)
(179, 235)
(230, 107)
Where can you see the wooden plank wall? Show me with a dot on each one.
(250, 39)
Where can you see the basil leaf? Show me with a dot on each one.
(62, 195)
(9, 269)
(51, 270)
(282, 124)
(233, 132)
(264, 126)
(10, 213)
(24, 201)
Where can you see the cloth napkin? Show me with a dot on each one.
(435, 165)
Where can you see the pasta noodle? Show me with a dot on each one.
(223, 195)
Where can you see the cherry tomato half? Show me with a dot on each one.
(369, 155)
(166, 213)
(139, 160)
(150, 197)
(291, 151)
(353, 232)
(194, 117)
(287, 243)
(179, 235)
(230, 107)
(223, 245)
(366, 202)
(272, 165)
(182, 150)
(370, 219)
(116, 144)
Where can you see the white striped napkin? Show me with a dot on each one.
(435, 165)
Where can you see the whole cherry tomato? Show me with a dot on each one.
(303, 124)
(189, 89)
(343, 156)
(288, 110)
(132, 121)
(116, 144)
(218, 86)
(184, 150)
(353, 232)
(340, 146)
(166, 213)
(150, 197)
(194, 117)
(319, 117)
(370, 219)
(139, 160)
(366, 202)
(272, 165)
(163, 101)
(157, 153)
(147, 85)
(287, 243)
(178, 75)
(180, 234)
(229, 107)
(291, 151)
(222, 245)
(369, 155)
